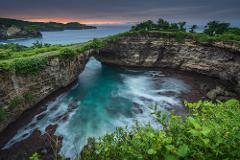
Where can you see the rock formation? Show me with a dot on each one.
(20, 92)
(216, 59)
(16, 32)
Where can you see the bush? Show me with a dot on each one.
(35, 156)
(97, 44)
(201, 37)
(29, 65)
(68, 53)
(180, 37)
(211, 131)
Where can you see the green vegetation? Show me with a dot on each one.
(214, 30)
(31, 60)
(210, 131)
(19, 100)
(28, 97)
(29, 65)
(2, 114)
(15, 102)
(35, 156)
(68, 53)
(193, 28)
(26, 60)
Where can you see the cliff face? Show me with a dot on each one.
(20, 92)
(145, 50)
(16, 32)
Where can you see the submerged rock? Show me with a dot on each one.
(219, 93)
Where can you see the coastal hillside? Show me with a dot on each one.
(12, 28)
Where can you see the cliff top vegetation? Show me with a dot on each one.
(13, 55)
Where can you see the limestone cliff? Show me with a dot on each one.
(19, 92)
(216, 59)
(17, 32)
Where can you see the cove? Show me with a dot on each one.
(104, 98)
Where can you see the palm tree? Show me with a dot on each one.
(193, 28)
(182, 26)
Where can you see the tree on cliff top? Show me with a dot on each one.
(182, 26)
(163, 24)
(193, 28)
(215, 27)
(146, 25)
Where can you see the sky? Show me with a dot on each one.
(122, 11)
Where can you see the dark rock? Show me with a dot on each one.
(219, 93)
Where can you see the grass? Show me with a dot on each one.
(29, 60)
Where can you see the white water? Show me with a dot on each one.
(106, 98)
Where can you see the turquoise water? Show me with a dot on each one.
(72, 36)
(105, 98)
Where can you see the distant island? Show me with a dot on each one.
(13, 28)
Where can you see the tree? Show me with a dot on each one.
(147, 26)
(163, 24)
(174, 26)
(182, 26)
(193, 28)
(216, 27)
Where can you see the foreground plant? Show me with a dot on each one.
(210, 131)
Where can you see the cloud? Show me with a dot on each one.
(194, 11)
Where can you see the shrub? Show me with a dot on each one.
(13, 47)
(37, 44)
(29, 65)
(180, 37)
(201, 37)
(98, 44)
(210, 131)
(4, 54)
(35, 156)
(68, 53)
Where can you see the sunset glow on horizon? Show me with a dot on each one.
(121, 12)
(67, 20)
